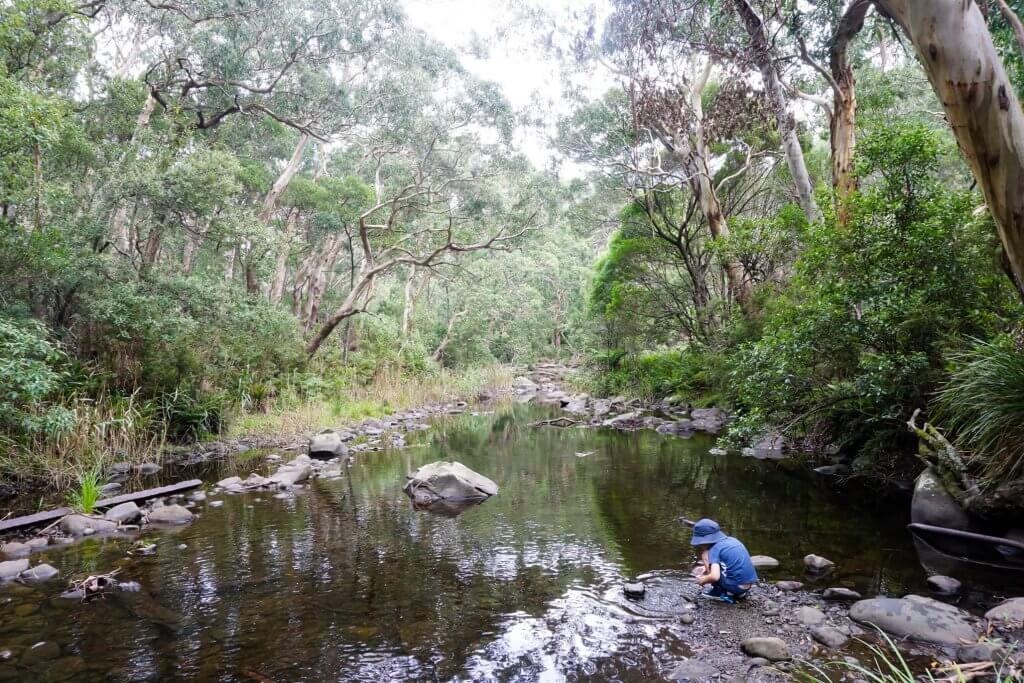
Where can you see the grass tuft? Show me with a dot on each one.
(84, 498)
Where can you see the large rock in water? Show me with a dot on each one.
(170, 514)
(327, 444)
(933, 505)
(1008, 613)
(917, 618)
(448, 481)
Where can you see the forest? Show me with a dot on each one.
(215, 214)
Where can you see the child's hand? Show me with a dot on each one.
(699, 571)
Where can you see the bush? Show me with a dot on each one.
(32, 375)
(862, 335)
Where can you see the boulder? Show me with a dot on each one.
(1008, 613)
(112, 487)
(230, 483)
(789, 585)
(693, 670)
(943, 585)
(933, 505)
(82, 525)
(769, 447)
(170, 514)
(772, 649)
(709, 420)
(523, 385)
(623, 421)
(916, 618)
(11, 568)
(681, 427)
(449, 481)
(124, 513)
(13, 550)
(327, 444)
(810, 616)
(829, 636)
(577, 406)
(764, 562)
(840, 594)
(40, 572)
(818, 564)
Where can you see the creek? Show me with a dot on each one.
(345, 581)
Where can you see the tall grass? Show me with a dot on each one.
(84, 497)
(293, 409)
(982, 409)
(101, 431)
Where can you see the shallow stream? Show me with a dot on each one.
(345, 581)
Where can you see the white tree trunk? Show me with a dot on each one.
(953, 43)
(119, 225)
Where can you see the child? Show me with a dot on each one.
(727, 565)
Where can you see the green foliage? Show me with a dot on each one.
(84, 497)
(696, 375)
(981, 406)
(32, 375)
(861, 337)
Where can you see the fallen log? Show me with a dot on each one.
(52, 515)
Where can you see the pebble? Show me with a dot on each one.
(216, 503)
(789, 585)
(634, 590)
(687, 618)
(840, 594)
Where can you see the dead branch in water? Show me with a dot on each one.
(556, 422)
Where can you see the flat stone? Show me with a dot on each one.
(230, 482)
(83, 525)
(40, 652)
(810, 616)
(112, 487)
(37, 542)
(772, 649)
(789, 585)
(13, 550)
(764, 562)
(123, 513)
(11, 568)
(943, 585)
(634, 590)
(917, 618)
(829, 636)
(818, 564)
(1009, 613)
(148, 468)
(839, 594)
(40, 572)
(170, 514)
(693, 670)
(290, 475)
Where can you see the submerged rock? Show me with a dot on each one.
(818, 564)
(170, 514)
(981, 652)
(917, 618)
(943, 585)
(829, 636)
(634, 590)
(772, 649)
(448, 481)
(840, 594)
(41, 572)
(82, 525)
(11, 568)
(14, 550)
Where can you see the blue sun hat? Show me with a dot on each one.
(707, 532)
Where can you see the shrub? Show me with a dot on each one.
(32, 375)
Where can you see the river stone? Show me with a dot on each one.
(933, 505)
(916, 618)
(449, 481)
(769, 446)
(623, 421)
(789, 585)
(818, 564)
(123, 513)
(634, 590)
(82, 525)
(687, 618)
(1010, 612)
(290, 475)
(943, 585)
(11, 568)
(829, 636)
(37, 542)
(577, 406)
(772, 649)
(524, 385)
(40, 652)
(14, 550)
(980, 652)
(694, 671)
(170, 514)
(121, 467)
(215, 503)
(810, 616)
(840, 593)
(230, 483)
(148, 468)
(198, 496)
(40, 572)
(112, 487)
(327, 444)
(764, 562)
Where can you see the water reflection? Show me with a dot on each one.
(346, 581)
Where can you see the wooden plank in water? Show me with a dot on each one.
(33, 520)
(150, 493)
